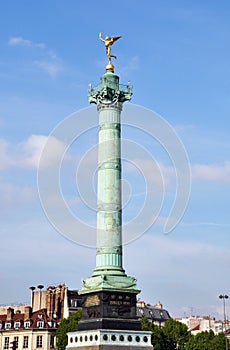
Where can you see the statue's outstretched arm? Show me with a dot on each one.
(100, 37)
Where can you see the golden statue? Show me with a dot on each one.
(108, 41)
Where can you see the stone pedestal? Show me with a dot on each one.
(103, 339)
(109, 310)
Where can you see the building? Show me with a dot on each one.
(29, 330)
(34, 326)
(155, 313)
(58, 300)
(197, 324)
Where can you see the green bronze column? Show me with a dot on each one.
(109, 97)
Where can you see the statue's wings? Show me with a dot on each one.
(115, 38)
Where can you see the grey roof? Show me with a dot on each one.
(153, 313)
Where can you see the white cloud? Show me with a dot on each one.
(24, 42)
(161, 220)
(183, 127)
(212, 172)
(133, 64)
(203, 172)
(31, 150)
(152, 170)
(13, 195)
(50, 67)
(175, 269)
(5, 160)
(27, 153)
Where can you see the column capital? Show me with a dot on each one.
(104, 96)
(110, 92)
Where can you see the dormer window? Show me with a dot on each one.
(17, 325)
(27, 324)
(40, 315)
(0, 325)
(52, 324)
(8, 325)
(40, 324)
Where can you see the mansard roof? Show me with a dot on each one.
(153, 313)
(39, 315)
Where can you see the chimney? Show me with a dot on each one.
(10, 313)
(32, 296)
(27, 312)
(40, 287)
(158, 305)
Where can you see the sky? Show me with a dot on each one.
(176, 55)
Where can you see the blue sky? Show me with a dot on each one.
(176, 55)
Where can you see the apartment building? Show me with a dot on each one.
(33, 326)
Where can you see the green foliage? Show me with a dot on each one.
(159, 340)
(176, 335)
(69, 324)
(206, 341)
(172, 336)
(146, 325)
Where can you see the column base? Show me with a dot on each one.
(107, 282)
(109, 340)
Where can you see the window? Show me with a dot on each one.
(75, 302)
(52, 337)
(17, 325)
(25, 341)
(27, 324)
(16, 340)
(39, 315)
(6, 343)
(8, 325)
(52, 324)
(40, 324)
(39, 341)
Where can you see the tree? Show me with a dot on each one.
(172, 336)
(176, 334)
(66, 325)
(219, 342)
(157, 338)
(206, 341)
(146, 325)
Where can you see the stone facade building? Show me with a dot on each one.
(197, 324)
(156, 314)
(32, 327)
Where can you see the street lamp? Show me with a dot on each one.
(224, 296)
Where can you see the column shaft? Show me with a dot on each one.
(109, 213)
